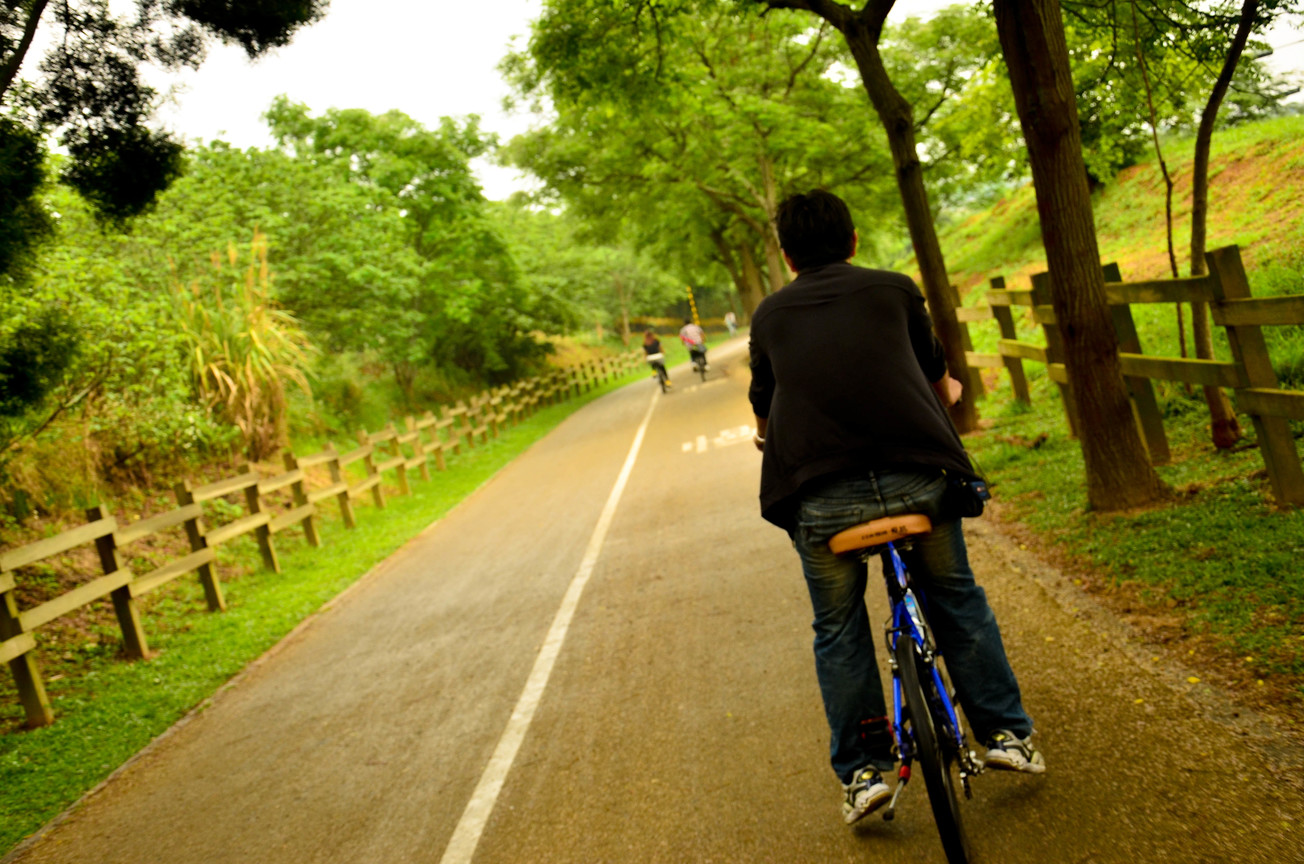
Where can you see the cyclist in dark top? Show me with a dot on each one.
(652, 349)
(850, 389)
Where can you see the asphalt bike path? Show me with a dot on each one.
(603, 655)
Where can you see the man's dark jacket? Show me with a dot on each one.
(841, 363)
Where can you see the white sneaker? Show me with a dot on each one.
(863, 795)
(1008, 752)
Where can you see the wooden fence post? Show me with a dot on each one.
(124, 605)
(369, 464)
(1013, 365)
(975, 382)
(195, 534)
(22, 659)
(337, 479)
(300, 494)
(1041, 296)
(436, 442)
(1145, 407)
(1251, 353)
(263, 533)
(413, 437)
(397, 459)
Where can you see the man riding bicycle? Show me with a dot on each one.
(850, 390)
(694, 340)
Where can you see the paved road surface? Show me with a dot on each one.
(680, 721)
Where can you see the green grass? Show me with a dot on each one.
(1219, 558)
(109, 713)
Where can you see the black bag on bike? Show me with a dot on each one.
(965, 496)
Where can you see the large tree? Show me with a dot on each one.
(1119, 474)
(863, 28)
(1253, 15)
(1171, 61)
(693, 142)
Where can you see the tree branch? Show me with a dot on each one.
(9, 70)
(835, 13)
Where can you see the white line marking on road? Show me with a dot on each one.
(726, 438)
(469, 829)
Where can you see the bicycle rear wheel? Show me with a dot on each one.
(936, 761)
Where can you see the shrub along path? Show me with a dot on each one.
(681, 720)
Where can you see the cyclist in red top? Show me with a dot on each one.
(694, 340)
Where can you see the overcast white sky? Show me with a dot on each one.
(428, 59)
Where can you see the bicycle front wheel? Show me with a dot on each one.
(935, 761)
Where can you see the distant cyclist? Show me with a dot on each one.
(655, 357)
(731, 321)
(695, 341)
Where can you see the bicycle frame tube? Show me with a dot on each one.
(910, 622)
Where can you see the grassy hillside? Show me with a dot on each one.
(1214, 576)
(1256, 180)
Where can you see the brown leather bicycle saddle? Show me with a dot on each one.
(879, 531)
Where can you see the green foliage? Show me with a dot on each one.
(33, 360)
(1128, 57)
(255, 24)
(687, 126)
(121, 171)
(243, 350)
(583, 283)
(23, 221)
(91, 95)
(471, 309)
(340, 256)
(123, 399)
(949, 68)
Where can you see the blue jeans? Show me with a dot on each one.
(962, 622)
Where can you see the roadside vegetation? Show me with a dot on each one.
(1213, 573)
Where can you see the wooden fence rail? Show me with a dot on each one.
(1249, 375)
(388, 450)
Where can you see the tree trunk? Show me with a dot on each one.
(622, 298)
(1225, 428)
(897, 118)
(774, 265)
(754, 290)
(1119, 473)
(405, 376)
(749, 293)
(10, 66)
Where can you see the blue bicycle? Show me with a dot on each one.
(925, 723)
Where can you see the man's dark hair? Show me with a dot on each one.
(815, 229)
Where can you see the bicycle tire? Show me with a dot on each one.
(701, 369)
(661, 379)
(935, 762)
